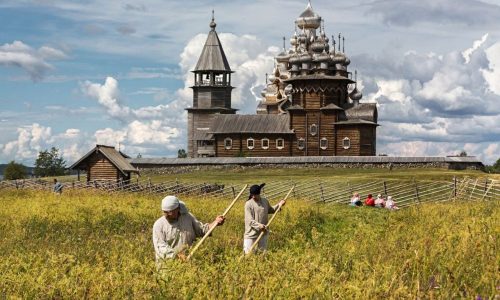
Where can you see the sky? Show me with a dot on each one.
(77, 73)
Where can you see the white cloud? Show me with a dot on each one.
(33, 61)
(432, 104)
(468, 52)
(492, 72)
(35, 138)
(110, 137)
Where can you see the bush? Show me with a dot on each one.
(15, 171)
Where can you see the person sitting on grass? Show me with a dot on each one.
(370, 201)
(177, 229)
(58, 187)
(390, 204)
(355, 201)
(379, 202)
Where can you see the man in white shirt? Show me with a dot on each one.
(177, 229)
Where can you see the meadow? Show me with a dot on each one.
(86, 244)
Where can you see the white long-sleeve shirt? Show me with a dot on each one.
(170, 237)
(256, 213)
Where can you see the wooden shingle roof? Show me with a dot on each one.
(251, 124)
(212, 57)
(362, 111)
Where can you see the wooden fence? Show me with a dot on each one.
(405, 193)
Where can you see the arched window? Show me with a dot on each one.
(250, 143)
(301, 143)
(280, 143)
(323, 143)
(346, 143)
(265, 143)
(228, 143)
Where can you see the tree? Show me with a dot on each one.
(14, 171)
(49, 163)
(496, 166)
(181, 153)
(463, 154)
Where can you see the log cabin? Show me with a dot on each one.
(105, 163)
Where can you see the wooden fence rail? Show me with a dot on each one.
(405, 193)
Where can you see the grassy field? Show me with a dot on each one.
(90, 245)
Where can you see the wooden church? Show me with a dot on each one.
(311, 104)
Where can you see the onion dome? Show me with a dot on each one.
(318, 46)
(294, 58)
(282, 57)
(302, 38)
(271, 78)
(325, 38)
(347, 61)
(323, 57)
(213, 24)
(308, 19)
(293, 39)
(339, 58)
(355, 94)
(305, 57)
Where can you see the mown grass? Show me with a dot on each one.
(92, 245)
(250, 174)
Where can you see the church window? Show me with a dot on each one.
(228, 143)
(301, 143)
(280, 143)
(265, 143)
(346, 143)
(250, 143)
(313, 129)
(323, 143)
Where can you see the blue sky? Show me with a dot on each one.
(77, 73)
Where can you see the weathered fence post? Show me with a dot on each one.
(416, 191)
(385, 188)
(234, 192)
(454, 187)
(486, 190)
(322, 194)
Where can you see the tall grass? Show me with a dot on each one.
(91, 245)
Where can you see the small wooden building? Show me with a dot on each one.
(105, 163)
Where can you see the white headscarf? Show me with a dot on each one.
(172, 202)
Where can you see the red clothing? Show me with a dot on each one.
(370, 202)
